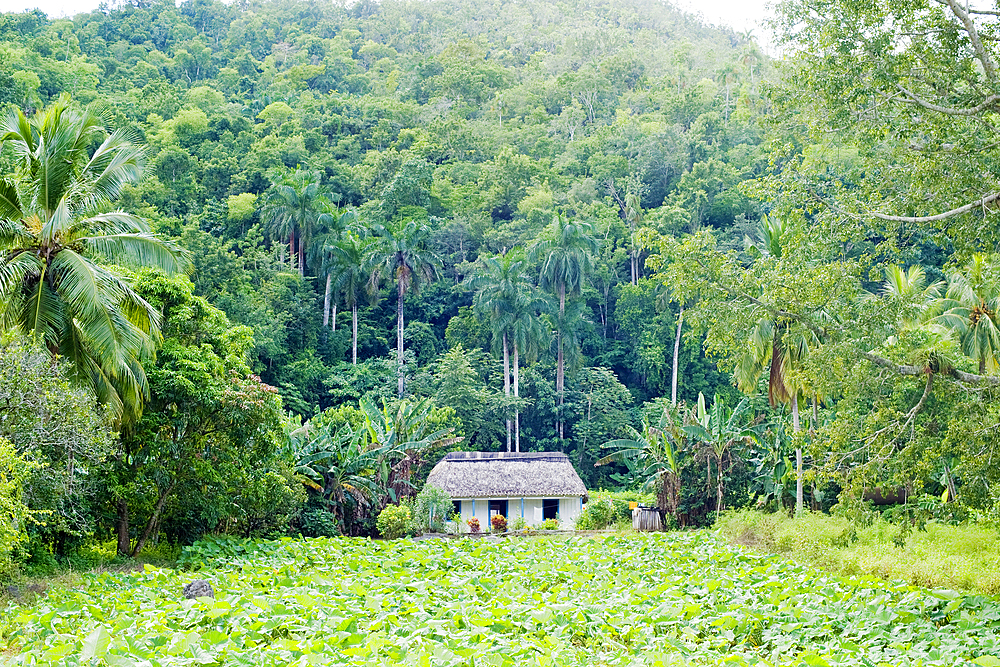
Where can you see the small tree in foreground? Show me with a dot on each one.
(431, 508)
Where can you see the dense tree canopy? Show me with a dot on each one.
(550, 226)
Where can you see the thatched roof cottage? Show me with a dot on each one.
(534, 486)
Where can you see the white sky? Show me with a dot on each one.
(743, 15)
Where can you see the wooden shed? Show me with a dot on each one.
(534, 486)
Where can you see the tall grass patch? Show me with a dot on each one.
(964, 557)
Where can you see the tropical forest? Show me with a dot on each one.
(265, 263)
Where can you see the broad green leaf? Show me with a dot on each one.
(96, 644)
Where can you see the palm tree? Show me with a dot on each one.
(501, 285)
(778, 345)
(633, 215)
(566, 260)
(56, 238)
(350, 274)
(971, 309)
(320, 253)
(400, 253)
(781, 349)
(662, 300)
(295, 208)
(497, 285)
(527, 333)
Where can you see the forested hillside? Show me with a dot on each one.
(540, 225)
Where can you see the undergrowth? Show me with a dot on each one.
(964, 557)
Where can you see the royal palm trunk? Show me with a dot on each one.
(506, 383)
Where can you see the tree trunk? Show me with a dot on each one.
(333, 319)
(399, 338)
(560, 365)
(302, 257)
(326, 301)
(506, 384)
(121, 527)
(517, 409)
(718, 489)
(677, 351)
(354, 335)
(153, 520)
(799, 500)
(291, 251)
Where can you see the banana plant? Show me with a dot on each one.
(720, 429)
(773, 474)
(652, 456)
(399, 434)
(338, 463)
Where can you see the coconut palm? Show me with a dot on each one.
(971, 310)
(57, 240)
(778, 345)
(350, 274)
(297, 207)
(400, 253)
(566, 255)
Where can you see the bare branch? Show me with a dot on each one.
(913, 98)
(989, 199)
(910, 370)
(970, 27)
(972, 378)
(901, 369)
(920, 404)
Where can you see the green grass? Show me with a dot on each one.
(610, 599)
(46, 571)
(965, 557)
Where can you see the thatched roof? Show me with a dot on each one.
(503, 475)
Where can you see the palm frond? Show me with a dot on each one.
(10, 201)
(143, 250)
(115, 163)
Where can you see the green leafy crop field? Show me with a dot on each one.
(665, 599)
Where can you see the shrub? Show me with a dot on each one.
(549, 524)
(392, 522)
(519, 524)
(431, 509)
(597, 515)
(499, 523)
(610, 508)
(473, 525)
(454, 524)
(318, 522)
(13, 512)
